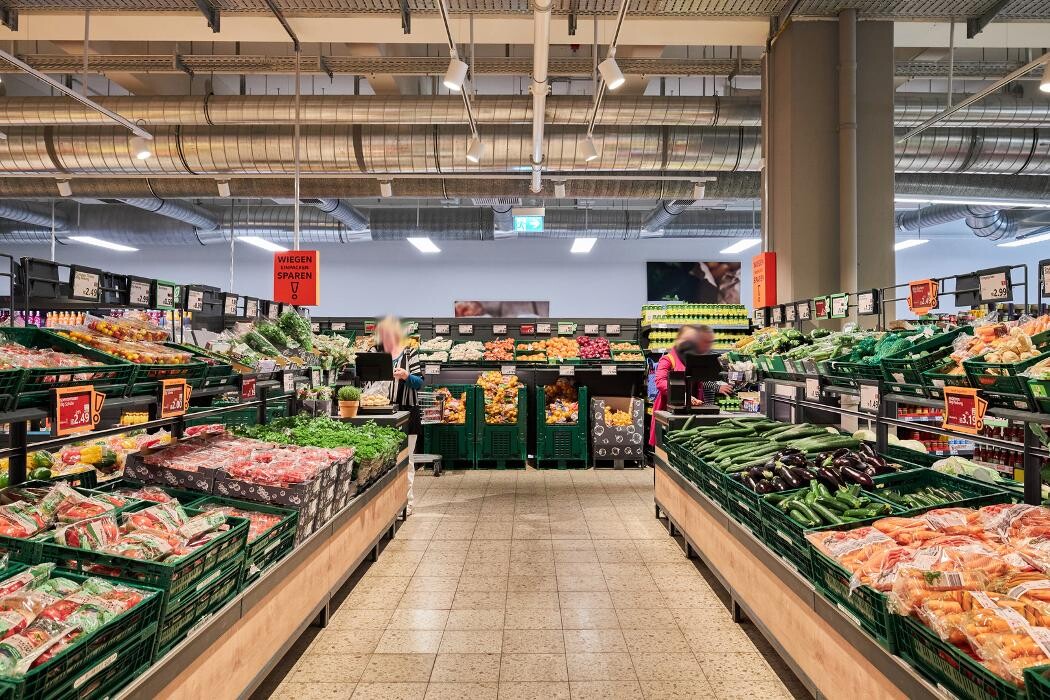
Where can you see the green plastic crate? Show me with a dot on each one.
(944, 663)
(218, 371)
(270, 546)
(147, 378)
(505, 444)
(172, 577)
(744, 504)
(1007, 387)
(1039, 391)
(936, 378)
(866, 604)
(10, 382)
(89, 655)
(455, 442)
(209, 594)
(563, 444)
(1037, 682)
(904, 376)
(183, 496)
(244, 416)
(711, 480)
(974, 494)
(907, 457)
(112, 377)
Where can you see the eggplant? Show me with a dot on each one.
(871, 461)
(841, 452)
(793, 460)
(792, 451)
(829, 479)
(749, 482)
(866, 449)
(871, 471)
(757, 473)
(789, 478)
(803, 474)
(764, 487)
(856, 476)
(778, 484)
(848, 461)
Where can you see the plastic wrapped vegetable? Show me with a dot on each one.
(168, 516)
(273, 333)
(258, 343)
(93, 534)
(298, 329)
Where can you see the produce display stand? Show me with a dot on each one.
(824, 645)
(232, 651)
(561, 445)
(397, 419)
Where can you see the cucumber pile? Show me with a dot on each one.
(925, 497)
(817, 505)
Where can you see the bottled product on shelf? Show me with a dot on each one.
(679, 313)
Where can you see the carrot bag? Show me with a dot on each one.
(850, 548)
(1009, 653)
(914, 587)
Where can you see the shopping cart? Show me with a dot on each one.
(431, 406)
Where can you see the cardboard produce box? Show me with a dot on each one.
(617, 441)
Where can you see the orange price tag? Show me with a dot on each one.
(922, 296)
(174, 397)
(963, 410)
(77, 409)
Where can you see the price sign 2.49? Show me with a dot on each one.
(75, 409)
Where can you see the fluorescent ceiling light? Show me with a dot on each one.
(610, 71)
(91, 240)
(582, 245)
(741, 245)
(1026, 241)
(424, 245)
(977, 202)
(910, 243)
(386, 188)
(476, 149)
(588, 149)
(262, 243)
(1044, 83)
(456, 73)
(141, 147)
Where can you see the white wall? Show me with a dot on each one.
(376, 278)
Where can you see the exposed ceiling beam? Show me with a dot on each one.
(210, 12)
(976, 25)
(136, 82)
(275, 9)
(380, 29)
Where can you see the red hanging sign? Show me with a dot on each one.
(248, 388)
(174, 397)
(963, 410)
(764, 280)
(922, 296)
(295, 277)
(77, 409)
(820, 307)
(527, 329)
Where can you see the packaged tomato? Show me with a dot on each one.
(92, 534)
(79, 507)
(18, 653)
(146, 544)
(201, 524)
(20, 520)
(168, 516)
(32, 576)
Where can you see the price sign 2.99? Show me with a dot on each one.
(995, 287)
(75, 409)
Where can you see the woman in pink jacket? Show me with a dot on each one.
(692, 340)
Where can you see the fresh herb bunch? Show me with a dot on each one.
(369, 440)
(349, 393)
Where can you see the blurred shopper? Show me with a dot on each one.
(408, 379)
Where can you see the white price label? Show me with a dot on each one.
(431, 368)
(85, 285)
(840, 306)
(608, 370)
(778, 315)
(288, 382)
(499, 329)
(805, 312)
(566, 370)
(508, 370)
(590, 328)
(332, 376)
(466, 329)
(789, 313)
(1046, 280)
(869, 398)
(338, 325)
(251, 308)
(543, 328)
(195, 300)
(271, 311)
(812, 389)
(866, 303)
(315, 377)
(566, 328)
(165, 296)
(138, 293)
(229, 305)
(315, 327)
(442, 329)
(612, 329)
(995, 287)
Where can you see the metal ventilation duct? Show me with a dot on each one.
(995, 225)
(910, 109)
(180, 211)
(438, 224)
(343, 212)
(664, 213)
(14, 211)
(938, 214)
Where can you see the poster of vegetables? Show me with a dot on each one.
(693, 282)
(503, 309)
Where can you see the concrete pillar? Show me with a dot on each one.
(807, 145)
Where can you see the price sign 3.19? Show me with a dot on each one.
(963, 410)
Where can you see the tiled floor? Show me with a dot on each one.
(533, 584)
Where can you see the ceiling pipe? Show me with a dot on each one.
(14, 211)
(664, 213)
(503, 218)
(539, 87)
(199, 217)
(995, 225)
(938, 214)
(343, 212)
